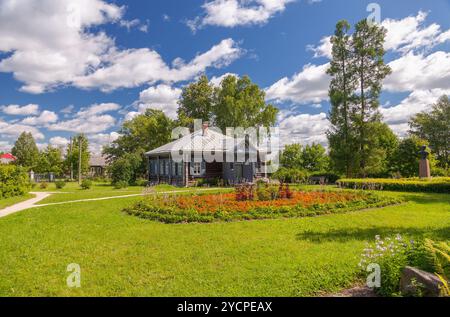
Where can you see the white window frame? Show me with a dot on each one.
(196, 169)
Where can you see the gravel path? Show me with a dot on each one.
(30, 203)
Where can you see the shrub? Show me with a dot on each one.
(330, 178)
(291, 175)
(43, 185)
(60, 184)
(141, 182)
(435, 185)
(120, 185)
(86, 184)
(14, 181)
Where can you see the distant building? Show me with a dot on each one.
(97, 166)
(7, 158)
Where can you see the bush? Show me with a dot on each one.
(141, 182)
(435, 185)
(43, 185)
(86, 184)
(120, 185)
(393, 254)
(291, 175)
(60, 184)
(14, 181)
(330, 178)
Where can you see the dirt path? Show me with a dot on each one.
(31, 203)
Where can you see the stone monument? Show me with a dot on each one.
(424, 166)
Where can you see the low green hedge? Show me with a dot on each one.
(14, 181)
(146, 209)
(435, 185)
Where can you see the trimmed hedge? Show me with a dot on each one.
(13, 181)
(435, 185)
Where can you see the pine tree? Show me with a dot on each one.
(370, 70)
(26, 150)
(343, 84)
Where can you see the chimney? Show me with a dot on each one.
(205, 127)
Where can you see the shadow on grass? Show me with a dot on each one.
(344, 235)
(426, 198)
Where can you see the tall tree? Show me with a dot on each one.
(50, 161)
(196, 100)
(434, 126)
(143, 133)
(370, 70)
(241, 103)
(26, 150)
(343, 84)
(314, 158)
(72, 157)
(291, 157)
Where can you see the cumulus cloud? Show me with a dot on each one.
(61, 48)
(16, 110)
(59, 141)
(66, 50)
(98, 141)
(161, 97)
(231, 13)
(43, 119)
(13, 130)
(216, 81)
(303, 128)
(324, 49)
(88, 120)
(409, 34)
(132, 68)
(310, 85)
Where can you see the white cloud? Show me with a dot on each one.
(16, 110)
(162, 97)
(324, 49)
(88, 120)
(231, 13)
(132, 68)
(309, 85)
(44, 118)
(13, 130)
(59, 141)
(98, 141)
(49, 41)
(303, 128)
(411, 72)
(409, 34)
(420, 100)
(216, 81)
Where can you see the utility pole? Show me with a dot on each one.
(79, 159)
(71, 158)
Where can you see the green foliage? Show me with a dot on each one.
(197, 100)
(13, 181)
(314, 158)
(290, 175)
(50, 161)
(143, 133)
(60, 184)
(406, 158)
(43, 185)
(330, 178)
(434, 126)
(359, 142)
(126, 168)
(241, 103)
(121, 184)
(86, 184)
(26, 151)
(73, 154)
(436, 185)
(291, 157)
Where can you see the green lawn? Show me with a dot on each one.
(14, 200)
(122, 255)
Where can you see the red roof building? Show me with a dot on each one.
(7, 158)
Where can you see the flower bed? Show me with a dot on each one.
(435, 185)
(225, 207)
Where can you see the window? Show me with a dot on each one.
(161, 167)
(174, 169)
(180, 169)
(196, 169)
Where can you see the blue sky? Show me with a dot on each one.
(85, 66)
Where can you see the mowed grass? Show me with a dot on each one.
(121, 255)
(7, 202)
